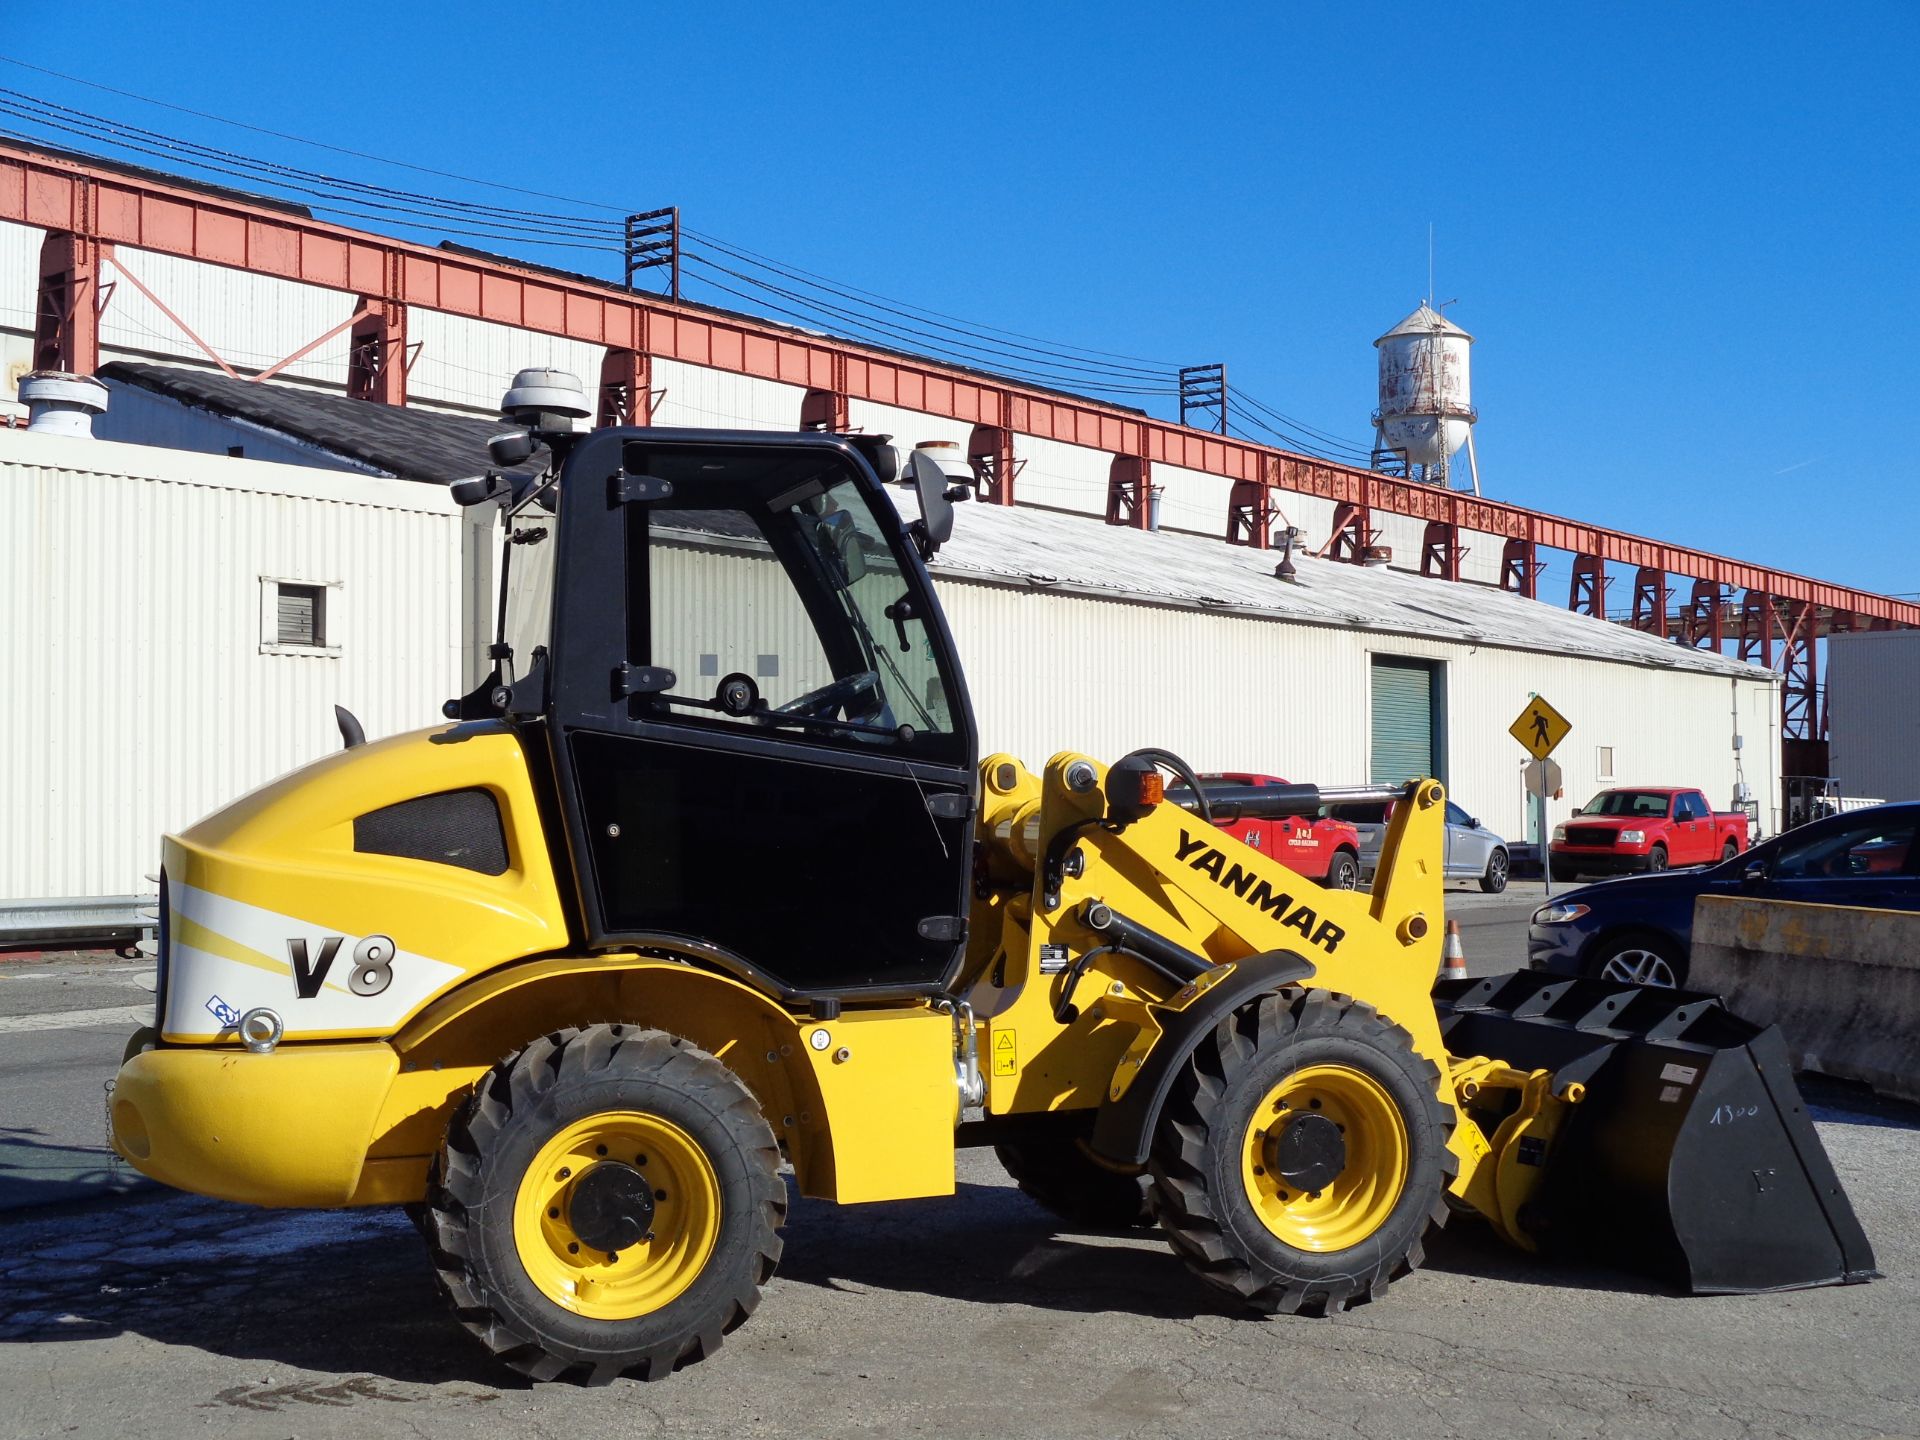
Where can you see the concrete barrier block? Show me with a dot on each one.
(1843, 984)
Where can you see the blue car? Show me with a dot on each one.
(1640, 929)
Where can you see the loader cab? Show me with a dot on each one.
(761, 742)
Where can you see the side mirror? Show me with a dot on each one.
(1473, 822)
(481, 489)
(839, 541)
(513, 447)
(1754, 873)
(930, 480)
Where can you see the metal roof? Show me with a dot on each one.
(1019, 545)
(1048, 550)
(1425, 321)
(405, 442)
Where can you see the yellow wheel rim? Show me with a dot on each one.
(648, 1275)
(1355, 1202)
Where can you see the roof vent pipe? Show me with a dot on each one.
(62, 404)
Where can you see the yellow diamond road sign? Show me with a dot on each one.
(1540, 728)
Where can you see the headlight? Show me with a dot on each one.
(1559, 832)
(1558, 914)
(1633, 837)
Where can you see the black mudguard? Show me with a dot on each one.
(1123, 1131)
(1692, 1156)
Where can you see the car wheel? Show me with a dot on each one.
(1495, 880)
(1344, 872)
(1638, 959)
(1729, 850)
(1657, 858)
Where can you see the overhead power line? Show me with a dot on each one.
(780, 287)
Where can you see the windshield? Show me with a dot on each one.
(1644, 803)
(789, 582)
(526, 596)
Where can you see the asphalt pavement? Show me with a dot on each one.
(976, 1315)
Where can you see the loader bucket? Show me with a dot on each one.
(1691, 1156)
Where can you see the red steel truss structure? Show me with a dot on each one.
(1775, 618)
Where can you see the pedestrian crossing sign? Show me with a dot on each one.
(1540, 728)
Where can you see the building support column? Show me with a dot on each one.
(66, 324)
(1130, 492)
(626, 389)
(1441, 551)
(990, 452)
(1650, 600)
(1520, 567)
(377, 353)
(1352, 533)
(1587, 590)
(1706, 612)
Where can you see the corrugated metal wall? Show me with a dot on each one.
(252, 321)
(702, 398)
(139, 696)
(1229, 692)
(1873, 712)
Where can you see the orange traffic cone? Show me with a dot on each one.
(1453, 957)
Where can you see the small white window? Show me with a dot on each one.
(299, 617)
(1605, 764)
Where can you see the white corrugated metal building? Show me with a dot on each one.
(147, 574)
(177, 630)
(1873, 713)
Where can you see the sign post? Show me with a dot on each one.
(1540, 728)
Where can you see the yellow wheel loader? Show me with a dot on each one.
(708, 880)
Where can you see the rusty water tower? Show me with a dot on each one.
(1426, 409)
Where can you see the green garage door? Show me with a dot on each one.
(1404, 731)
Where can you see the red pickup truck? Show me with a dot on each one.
(1645, 829)
(1323, 849)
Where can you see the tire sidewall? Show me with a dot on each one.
(1344, 874)
(729, 1268)
(1497, 865)
(1426, 1143)
(1637, 940)
(1657, 859)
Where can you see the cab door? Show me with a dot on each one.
(1692, 831)
(761, 743)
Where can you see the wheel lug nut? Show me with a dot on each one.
(660, 1195)
(565, 1171)
(553, 1212)
(599, 1149)
(573, 1247)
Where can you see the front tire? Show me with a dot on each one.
(1656, 859)
(1302, 1154)
(1636, 958)
(1495, 880)
(609, 1203)
(1344, 872)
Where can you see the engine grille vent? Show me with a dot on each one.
(455, 827)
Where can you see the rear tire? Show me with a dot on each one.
(1344, 872)
(1729, 850)
(547, 1266)
(1059, 1175)
(1495, 880)
(1245, 1133)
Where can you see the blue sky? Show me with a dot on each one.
(1684, 236)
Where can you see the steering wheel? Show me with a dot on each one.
(835, 694)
